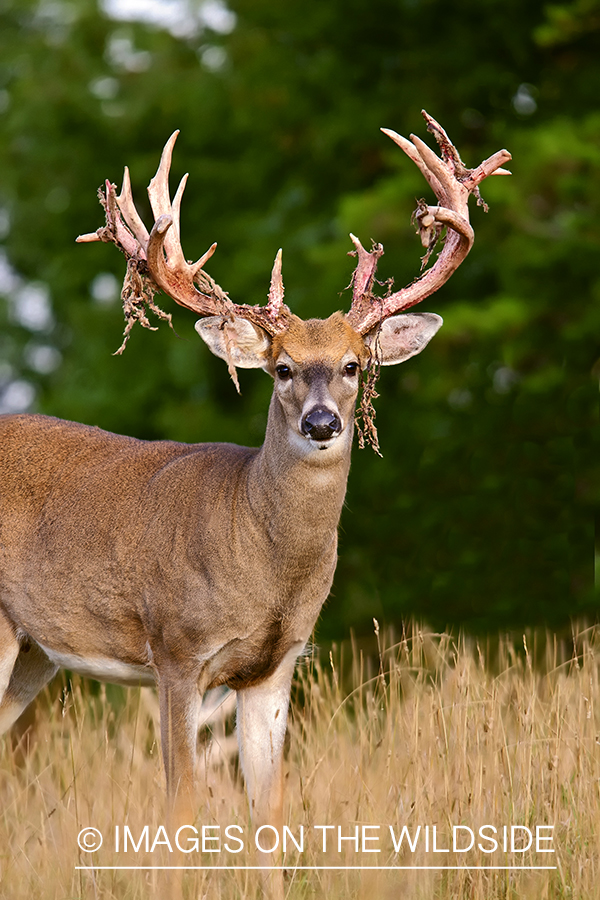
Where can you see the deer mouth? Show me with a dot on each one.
(325, 445)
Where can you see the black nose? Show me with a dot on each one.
(321, 424)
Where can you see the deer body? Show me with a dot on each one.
(189, 553)
(194, 566)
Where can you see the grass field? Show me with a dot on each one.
(428, 732)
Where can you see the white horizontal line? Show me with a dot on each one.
(312, 868)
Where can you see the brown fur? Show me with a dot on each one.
(330, 338)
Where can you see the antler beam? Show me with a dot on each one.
(452, 183)
(158, 255)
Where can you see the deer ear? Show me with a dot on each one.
(400, 337)
(237, 341)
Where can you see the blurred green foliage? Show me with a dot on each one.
(481, 510)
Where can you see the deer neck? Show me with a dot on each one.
(298, 491)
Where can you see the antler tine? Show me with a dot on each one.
(414, 154)
(158, 189)
(490, 166)
(438, 168)
(364, 274)
(129, 212)
(447, 148)
(203, 259)
(275, 303)
(452, 183)
(176, 205)
(363, 277)
(115, 230)
(160, 201)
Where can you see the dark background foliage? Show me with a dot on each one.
(481, 511)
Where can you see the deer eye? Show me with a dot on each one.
(351, 369)
(283, 371)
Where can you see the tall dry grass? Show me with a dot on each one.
(433, 732)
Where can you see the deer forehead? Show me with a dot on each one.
(319, 339)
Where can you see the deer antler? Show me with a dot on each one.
(157, 257)
(452, 183)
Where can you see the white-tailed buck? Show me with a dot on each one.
(192, 566)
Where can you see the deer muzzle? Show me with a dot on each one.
(320, 424)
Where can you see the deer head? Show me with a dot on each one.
(316, 364)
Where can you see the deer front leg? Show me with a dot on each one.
(179, 701)
(179, 707)
(24, 670)
(262, 712)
